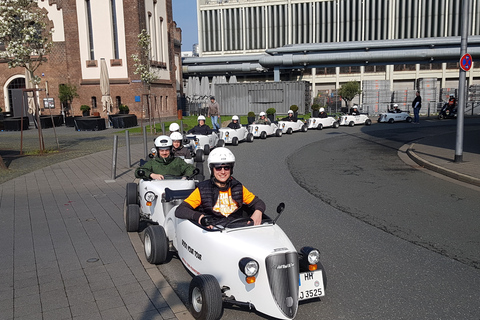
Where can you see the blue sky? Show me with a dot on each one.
(185, 15)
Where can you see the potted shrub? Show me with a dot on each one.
(251, 117)
(123, 109)
(315, 110)
(294, 108)
(271, 114)
(85, 110)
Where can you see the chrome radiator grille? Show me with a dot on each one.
(282, 270)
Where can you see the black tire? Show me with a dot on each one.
(205, 297)
(263, 135)
(441, 116)
(199, 155)
(235, 141)
(206, 149)
(320, 126)
(351, 124)
(368, 122)
(336, 125)
(131, 193)
(391, 120)
(220, 143)
(278, 133)
(131, 217)
(289, 131)
(304, 128)
(200, 176)
(155, 244)
(250, 137)
(409, 119)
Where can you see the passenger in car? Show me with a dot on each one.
(322, 113)
(262, 119)
(165, 163)
(290, 117)
(222, 197)
(178, 149)
(201, 127)
(234, 124)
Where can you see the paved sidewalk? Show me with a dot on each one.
(65, 251)
(438, 153)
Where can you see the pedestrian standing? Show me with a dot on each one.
(214, 113)
(416, 105)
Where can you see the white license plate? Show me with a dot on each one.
(310, 285)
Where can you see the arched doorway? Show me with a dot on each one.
(14, 97)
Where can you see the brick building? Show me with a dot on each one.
(86, 31)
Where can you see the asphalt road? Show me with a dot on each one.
(397, 243)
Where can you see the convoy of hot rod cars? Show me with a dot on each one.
(241, 264)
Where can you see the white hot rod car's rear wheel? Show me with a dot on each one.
(131, 193)
(131, 216)
(155, 244)
(205, 297)
(250, 137)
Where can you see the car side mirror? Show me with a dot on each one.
(280, 209)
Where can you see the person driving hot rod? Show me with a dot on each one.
(222, 196)
(165, 163)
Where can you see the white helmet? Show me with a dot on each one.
(174, 127)
(176, 136)
(290, 111)
(201, 118)
(163, 142)
(322, 109)
(219, 156)
(262, 114)
(235, 118)
(395, 105)
(452, 95)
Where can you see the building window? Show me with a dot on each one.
(90, 29)
(118, 101)
(94, 102)
(114, 29)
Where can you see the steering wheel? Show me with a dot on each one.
(246, 219)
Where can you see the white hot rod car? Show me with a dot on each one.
(202, 144)
(392, 117)
(263, 131)
(234, 136)
(320, 123)
(290, 127)
(236, 264)
(351, 120)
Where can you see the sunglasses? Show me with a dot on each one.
(219, 168)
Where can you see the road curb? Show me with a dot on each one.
(447, 172)
(176, 305)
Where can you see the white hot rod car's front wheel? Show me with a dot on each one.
(205, 297)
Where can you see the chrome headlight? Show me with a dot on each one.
(314, 256)
(150, 196)
(309, 258)
(248, 266)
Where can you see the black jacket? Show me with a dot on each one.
(209, 192)
(204, 130)
(233, 125)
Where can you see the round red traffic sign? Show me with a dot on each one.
(466, 62)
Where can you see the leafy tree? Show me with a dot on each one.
(142, 67)
(349, 90)
(66, 94)
(142, 61)
(23, 31)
